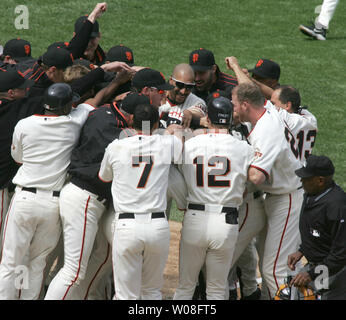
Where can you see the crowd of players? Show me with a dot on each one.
(76, 196)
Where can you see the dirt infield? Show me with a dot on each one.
(171, 271)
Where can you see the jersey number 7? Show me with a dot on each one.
(212, 174)
(136, 160)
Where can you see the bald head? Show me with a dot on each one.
(184, 73)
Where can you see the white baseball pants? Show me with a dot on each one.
(4, 203)
(140, 252)
(282, 236)
(80, 212)
(252, 220)
(327, 12)
(205, 238)
(31, 232)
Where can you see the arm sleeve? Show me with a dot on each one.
(85, 83)
(16, 147)
(336, 259)
(106, 171)
(79, 42)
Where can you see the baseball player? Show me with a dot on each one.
(96, 282)
(208, 76)
(273, 172)
(301, 124)
(215, 169)
(181, 96)
(84, 199)
(319, 29)
(139, 168)
(43, 145)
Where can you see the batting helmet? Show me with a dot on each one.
(220, 110)
(59, 95)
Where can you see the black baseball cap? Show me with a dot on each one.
(58, 44)
(79, 24)
(18, 49)
(201, 59)
(150, 78)
(12, 79)
(132, 100)
(58, 57)
(266, 69)
(120, 53)
(316, 166)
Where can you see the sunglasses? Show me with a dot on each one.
(181, 85)
(159, 91)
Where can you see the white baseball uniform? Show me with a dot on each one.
(192, 102)
(139, 168)
(215, 169)
(283, 197)
(92, 287)
(300, 132)
(43, 144)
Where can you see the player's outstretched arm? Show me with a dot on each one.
(99, 9)
(232, 64)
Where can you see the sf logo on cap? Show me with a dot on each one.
(259, 63)
(27, 49)
(195, 57)
(128, 55)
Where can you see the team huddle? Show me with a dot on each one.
(95, 149)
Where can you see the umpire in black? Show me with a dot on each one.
(322, 228)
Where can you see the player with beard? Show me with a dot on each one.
(208, 76)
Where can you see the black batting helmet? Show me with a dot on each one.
(220, 110)
(59, 95)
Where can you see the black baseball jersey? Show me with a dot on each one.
(102, 126)
(10, 113)
(322, 228)
(224, 82)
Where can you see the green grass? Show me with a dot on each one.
(162, 33)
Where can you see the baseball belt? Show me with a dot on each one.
(231, 216)
(131, 215)
(34, 190)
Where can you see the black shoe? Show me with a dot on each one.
(314, 32)
(256, 295)
(233, 294)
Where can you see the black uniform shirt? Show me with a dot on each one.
(102, 126)
(224, 82)
(323, 229)
(10, 113)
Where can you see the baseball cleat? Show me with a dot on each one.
(312, 31)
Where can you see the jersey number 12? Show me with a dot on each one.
(214, 173)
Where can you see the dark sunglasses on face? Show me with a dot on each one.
(180, 85)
